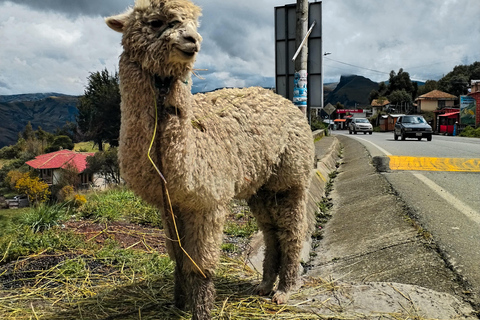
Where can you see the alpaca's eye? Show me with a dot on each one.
(173, 23)
(156, 24)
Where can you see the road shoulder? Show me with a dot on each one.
(379, 261)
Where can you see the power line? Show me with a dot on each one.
(352, 65)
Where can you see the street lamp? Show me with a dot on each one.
(321, 89)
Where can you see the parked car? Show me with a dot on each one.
(412, 126)
(20, 201)
(360, 125)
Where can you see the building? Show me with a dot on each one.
(379, 105)
(435, 100)
(52, 165)
(387, 122)
(475, 93)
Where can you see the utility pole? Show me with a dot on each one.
(300, 78)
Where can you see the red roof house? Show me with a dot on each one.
(52, 164)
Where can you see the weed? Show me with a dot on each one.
(229, 247)
(43, 217)
(244, 230)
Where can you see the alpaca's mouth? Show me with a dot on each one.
(188, 51)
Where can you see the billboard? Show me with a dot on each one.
(467, 110)
(285, 82)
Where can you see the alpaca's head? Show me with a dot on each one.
(160, 35)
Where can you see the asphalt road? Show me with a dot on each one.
(445, 201)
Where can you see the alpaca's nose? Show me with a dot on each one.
(191, 35)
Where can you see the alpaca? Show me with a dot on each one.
(210, 148)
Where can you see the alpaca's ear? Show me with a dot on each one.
(118, 22)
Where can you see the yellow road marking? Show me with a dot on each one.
(434, 164)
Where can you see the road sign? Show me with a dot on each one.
(329, 109)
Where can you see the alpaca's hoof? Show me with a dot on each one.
(280, 297)
(264, 289)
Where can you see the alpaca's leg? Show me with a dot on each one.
(259, 205)
(291, 220)
(203, 295)
(176, 254)
(179, 289)
(201, 239)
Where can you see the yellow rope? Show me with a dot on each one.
(166, 189)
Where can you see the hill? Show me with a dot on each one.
(351, 91)
(48, 110)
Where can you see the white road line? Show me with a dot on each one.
(459, 205)
(379, 148)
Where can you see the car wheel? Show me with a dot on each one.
(370, 132)
(429, 138)
(349, 131)
(403, 136)
(419, 138)
(354, 132)
(364, 132)
(395, 136)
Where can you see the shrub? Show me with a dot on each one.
(64, 193)
(470, 132)
(12, 177)
(36, 190)
(79, 200)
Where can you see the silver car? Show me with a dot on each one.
(360, 125)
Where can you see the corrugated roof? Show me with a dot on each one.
(61, 159)
(437, 94)
(379, 102)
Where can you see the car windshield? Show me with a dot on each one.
(413, 119)
(361, 121)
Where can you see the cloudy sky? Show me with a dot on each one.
(53, 45)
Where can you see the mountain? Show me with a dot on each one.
(351, 91)
(48, 110)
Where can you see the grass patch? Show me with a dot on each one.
(118, 204)
(88, 146)
(44, 216)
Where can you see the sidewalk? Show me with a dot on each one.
(379, 263)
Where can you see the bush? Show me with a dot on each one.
(60, 142)
(470, 132)
(36, 190)
(10, 152)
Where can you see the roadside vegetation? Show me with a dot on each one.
(78, 258)
(470, 132)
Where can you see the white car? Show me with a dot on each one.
(360, 125)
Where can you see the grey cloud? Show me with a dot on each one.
(76, 8)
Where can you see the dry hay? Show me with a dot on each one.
(106, 293)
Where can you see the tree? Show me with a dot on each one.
(99, 109)
(35, 189)
(429, 85)
(28, 132)
(61, 142)
(105, 163)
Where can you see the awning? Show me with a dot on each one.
(449, 114)
(339, 120)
